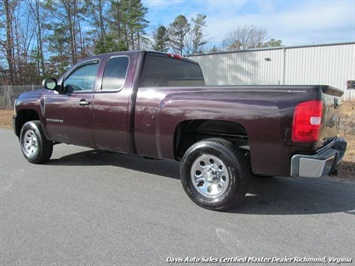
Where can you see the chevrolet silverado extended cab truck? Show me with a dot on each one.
(157, 105)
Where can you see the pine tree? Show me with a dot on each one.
(161, 40)
(273, 43)
(177, 33)
(128, 22)
(110, 44)
(197, 36)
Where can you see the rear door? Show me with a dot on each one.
(68, 115)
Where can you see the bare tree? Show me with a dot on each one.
(96, 11)
(245, 37)
(7, 44)
(67, 15)
(37, 11)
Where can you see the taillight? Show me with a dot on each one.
(307, 119)
(175, 56)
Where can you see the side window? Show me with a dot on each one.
(115, 73)
(82, 79)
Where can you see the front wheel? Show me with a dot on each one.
(34, 144)
(214, 174)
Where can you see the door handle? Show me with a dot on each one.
(83, 102)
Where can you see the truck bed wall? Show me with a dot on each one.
(265, 112)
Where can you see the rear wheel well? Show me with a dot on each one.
(24, 116)
(191, 131)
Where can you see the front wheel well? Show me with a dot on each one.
(189, 132)
(24, 116)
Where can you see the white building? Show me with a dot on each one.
(328, 64)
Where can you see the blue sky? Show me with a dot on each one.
(299, 22)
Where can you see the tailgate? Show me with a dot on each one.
(331, 114)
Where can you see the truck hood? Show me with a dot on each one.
(32, 95)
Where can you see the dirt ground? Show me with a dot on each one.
(346, 169)
(5, 118)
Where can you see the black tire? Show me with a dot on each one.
(34, 144)
(214, 174)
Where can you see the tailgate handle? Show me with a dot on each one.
(83, 102)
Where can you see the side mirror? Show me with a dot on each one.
(49, 83)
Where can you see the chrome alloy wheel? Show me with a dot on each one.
(30, 145)
(209, 176)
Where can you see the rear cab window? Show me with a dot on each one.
(115, 73)
(162, 70)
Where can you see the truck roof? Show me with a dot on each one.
(143, 52)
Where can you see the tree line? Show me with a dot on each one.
(41, 38)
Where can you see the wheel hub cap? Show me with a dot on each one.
(30, 143)
(212, 174)
(209, 175)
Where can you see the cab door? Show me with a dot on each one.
(111, 106)
(68, 114)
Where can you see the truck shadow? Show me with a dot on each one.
(93, 157)
(266, 196)
(288, 196)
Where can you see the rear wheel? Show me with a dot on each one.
(214, 174)
(34, 145)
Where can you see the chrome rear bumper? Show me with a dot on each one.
(323, 162)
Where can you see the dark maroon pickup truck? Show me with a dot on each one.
(157, 105)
